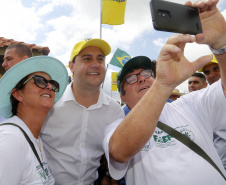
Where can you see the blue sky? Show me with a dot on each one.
(59, 24)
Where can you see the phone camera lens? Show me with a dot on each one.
(164, 14)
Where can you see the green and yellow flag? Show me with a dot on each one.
(119, 58)
(113, 11)
(114, 81)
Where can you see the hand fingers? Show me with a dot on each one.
(176, 44)
(180, 39)
(204, 5)
(200, 62)
(188, 3)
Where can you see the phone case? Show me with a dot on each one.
(174, 17)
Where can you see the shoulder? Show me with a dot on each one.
(13, 144)
(67, 96)
(12, 135)
(110, 100)
(114, 105)
(14, 155)
(10, 131)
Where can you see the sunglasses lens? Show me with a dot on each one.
(40, 81)
(55, 85)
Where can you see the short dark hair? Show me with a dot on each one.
(21, 49)
(73, 61)
(14, 101)
(201, 76)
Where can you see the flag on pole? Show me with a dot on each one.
(113, 11)
(119, 58)
(114, 81)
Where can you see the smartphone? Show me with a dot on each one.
(174, 17)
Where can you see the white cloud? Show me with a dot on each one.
(18, 22)
(46, 9)
(59, 24)
(159, 42)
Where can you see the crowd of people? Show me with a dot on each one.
(55, 132)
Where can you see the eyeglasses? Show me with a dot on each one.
(134, 77)
(42, 83)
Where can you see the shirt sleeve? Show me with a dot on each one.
(117, 170)
(206, 107)
(13, 156)
(211, 106)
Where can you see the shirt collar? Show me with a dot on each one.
(69, 96)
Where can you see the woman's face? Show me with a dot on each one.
(34, 97)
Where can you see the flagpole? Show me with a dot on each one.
(111, 84)
(105, 76)
(101, 19)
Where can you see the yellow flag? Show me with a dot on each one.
(113, 11)
(114, 81)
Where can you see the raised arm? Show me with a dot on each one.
(172, 69)
(214, 32)
(138, 126)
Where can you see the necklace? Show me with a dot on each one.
(39, 145)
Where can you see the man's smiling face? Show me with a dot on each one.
(89, 67)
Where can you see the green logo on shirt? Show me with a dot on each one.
(163, 140)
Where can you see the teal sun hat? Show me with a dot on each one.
(53, 67)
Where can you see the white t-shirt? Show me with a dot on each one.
(73, 134)
(18, 163)
(1, 119)
(220, 144)
(165, 160)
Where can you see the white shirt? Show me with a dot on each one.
(1, 119)
(220, 144)
(18, 163)
(73, 136)
(164, 160)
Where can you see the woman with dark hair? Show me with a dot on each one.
(28, 91)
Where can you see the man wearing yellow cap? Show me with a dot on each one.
(212, 74)
(74, 129)
(211, 71)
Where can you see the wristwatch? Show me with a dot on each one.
(218, 51)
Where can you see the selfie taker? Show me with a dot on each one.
(137, 147)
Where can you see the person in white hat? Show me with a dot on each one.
(28, 91)
(80, 117)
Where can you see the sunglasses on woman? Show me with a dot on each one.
(42, 82)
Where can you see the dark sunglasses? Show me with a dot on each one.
(131, 79)
(42, 83)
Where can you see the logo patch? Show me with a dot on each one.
(163, 140)
(44, 175)
(147, 146)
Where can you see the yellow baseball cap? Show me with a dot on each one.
(213, 61)
(103, 45)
